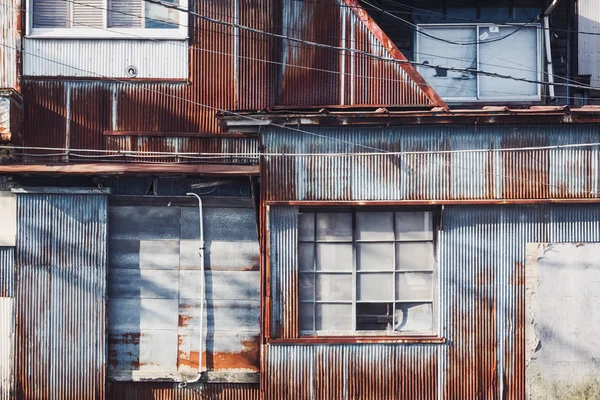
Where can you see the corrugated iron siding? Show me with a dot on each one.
(589, 45)
(7, 272)
(9, 37)
(489, 174)
(482, 307)
(166, 391)
(60, 261)
(6, 347)
(229, 68)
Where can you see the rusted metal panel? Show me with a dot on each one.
(7, 272)
(7, 327)
(154, 59)
(166, 391)
(60, 263)
(433, 163)
(482, 304)
(154, 292)
(10, 37)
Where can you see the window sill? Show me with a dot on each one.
(108, 33)
(361, 340)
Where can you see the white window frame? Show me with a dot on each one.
(106, 32)
(435, 301)
(478, 26)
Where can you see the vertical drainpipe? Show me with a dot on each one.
(548, 47)
(343, 58)
(67, 121)
(184, 383)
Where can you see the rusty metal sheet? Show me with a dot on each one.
(169, 391)
(7, 272)
(61, 272)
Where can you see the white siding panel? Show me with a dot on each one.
(589, 45)
(166, 59)
(6, 341)
(10, 38)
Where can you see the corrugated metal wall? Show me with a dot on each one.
(589, 45)
(6, 347)
(169, 391)
(11, 42)
(60, 262)
(466, 174)
(482, 289)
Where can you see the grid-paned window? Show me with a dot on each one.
(367, 272)
(101, 18)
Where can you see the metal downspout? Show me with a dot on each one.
(184, 383)
(549, 66)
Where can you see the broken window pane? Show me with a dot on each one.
(374, 316)
(413, 317)
(415, 225)
(334, 257)
(334, 287)
(374, 256)
(306, 256)
(411, 256)
(411, 286)
(306, 227)
(374, 226)
(375, 287)
(334, 317)
(334, 226)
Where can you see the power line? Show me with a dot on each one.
(362, 52)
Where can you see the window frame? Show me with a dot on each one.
(106, 32)
(434, 333)
(478, 25)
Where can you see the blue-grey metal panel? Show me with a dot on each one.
(7, 271)
(7, 325)
(482, 305)
(283, 237)
(352, 164)
(61, 284)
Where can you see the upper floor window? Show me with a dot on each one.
(367, 273)
(508, 50)
(106, 19)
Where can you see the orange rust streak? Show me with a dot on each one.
(248, 359)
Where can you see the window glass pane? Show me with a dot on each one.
(306, 287)
(411, 286)
(412, 256)
(334, 226)
(159, 16)
(374, 256)
(498, 57)
(307, 314)
(334, 257)
(50, 14)
(306, 256)
(413, 317)
(334, 287)
(416, 225)
(125, 13)
(375, 287)
(375, 226)
(433, 51)
(306, 226)
(374, 316)
(334, 317)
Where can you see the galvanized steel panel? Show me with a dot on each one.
(61, 273)
(7, 272)
(482, 312)
(10, 12)
(432, 162)
(154, 292)
(588, 46)
(158, 59)
(8, 218)
(6, 347)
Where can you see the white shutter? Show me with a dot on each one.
(88, 13)
(125, 13)
(50, 14)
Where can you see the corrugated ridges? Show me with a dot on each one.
(170, 391)
(6, 348)
(7, 272)
(61, 266)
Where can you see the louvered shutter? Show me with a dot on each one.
(125, 13)
(88, 13)
(50, 14)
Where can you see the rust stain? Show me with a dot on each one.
(518, 276)
(183, 320)
(247, 359)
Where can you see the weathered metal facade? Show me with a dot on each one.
(60, 265)
(482, 287)
(433, 163)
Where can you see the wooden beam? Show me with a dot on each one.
(131, 169)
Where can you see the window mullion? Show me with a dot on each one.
(105, 14)
(477, 75)
(314, 274)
